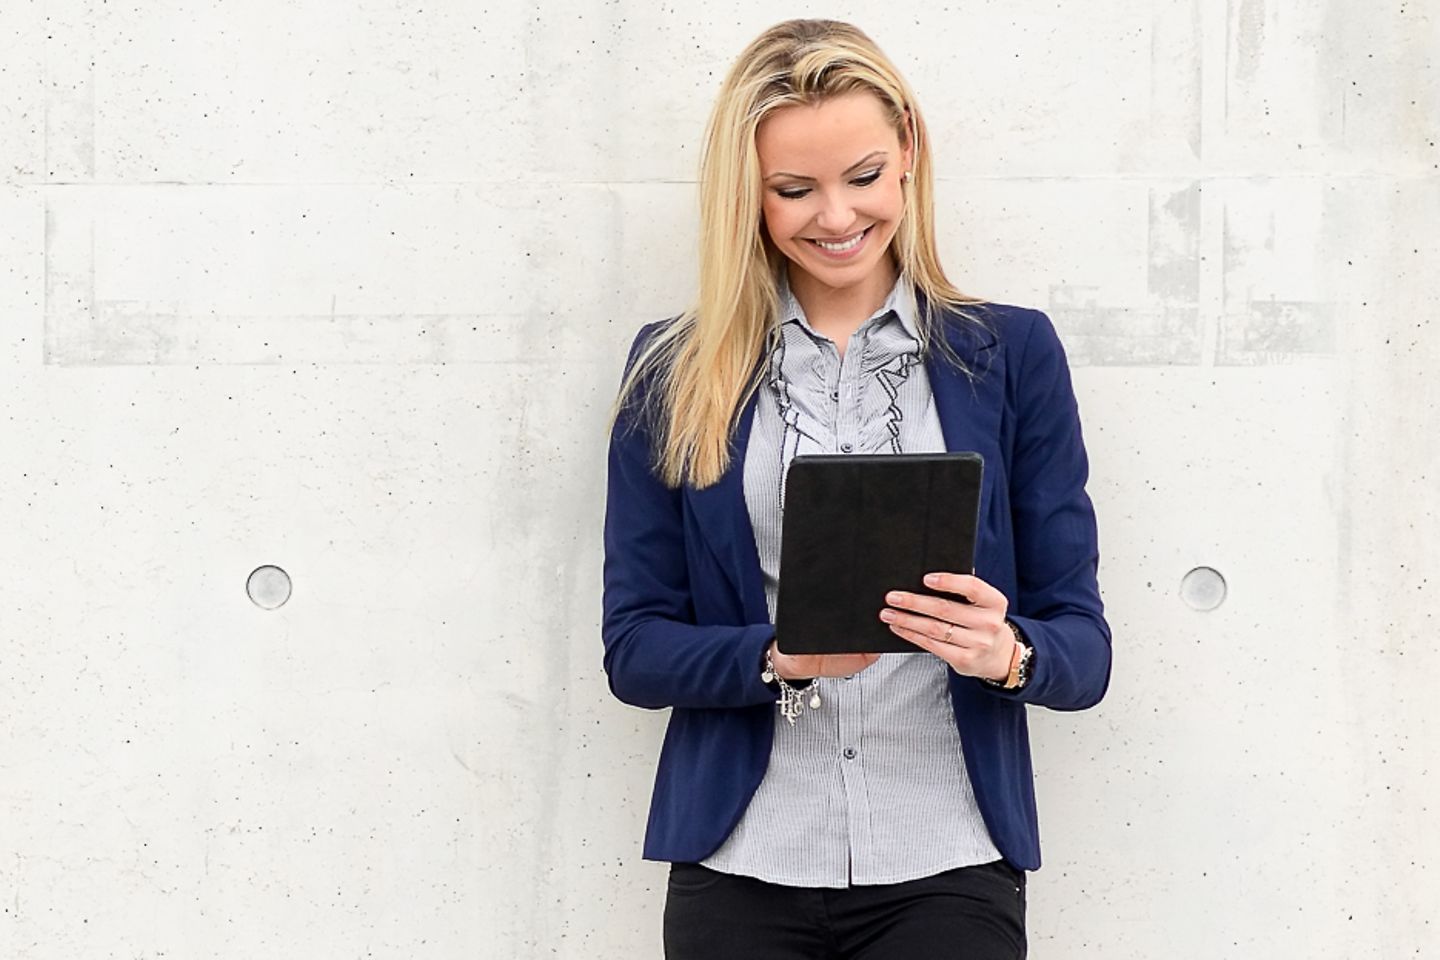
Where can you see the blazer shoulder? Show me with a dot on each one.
(975, 330)
(637, 413)
(649, 332)
(644, 337)
(1009, 323)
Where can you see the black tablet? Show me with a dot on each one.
(857, 527)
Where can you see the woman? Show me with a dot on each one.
(894, 815)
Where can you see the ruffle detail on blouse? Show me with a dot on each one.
(798, 378)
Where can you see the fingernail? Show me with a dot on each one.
(932, 579)
(887, 615)
(894, 596)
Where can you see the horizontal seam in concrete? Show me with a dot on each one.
(1019, 178)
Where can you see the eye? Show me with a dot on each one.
(865, 179)
(792, 193)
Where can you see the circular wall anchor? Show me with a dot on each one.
(268, 587)
(1203, 588)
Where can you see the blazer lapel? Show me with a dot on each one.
(970, 405)
(724, 522)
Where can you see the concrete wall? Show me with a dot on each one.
(344, 288)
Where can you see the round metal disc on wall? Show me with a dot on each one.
(268, 587)
(1203, 588)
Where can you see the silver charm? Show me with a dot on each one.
(792, 699)
(790, 702)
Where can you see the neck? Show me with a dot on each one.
(837, 312)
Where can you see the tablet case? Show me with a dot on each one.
(855, 528)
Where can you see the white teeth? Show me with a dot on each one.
(850, 244)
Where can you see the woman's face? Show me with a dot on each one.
(832, 193)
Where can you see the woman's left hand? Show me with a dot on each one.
(972, 636)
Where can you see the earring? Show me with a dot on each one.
(907, 176)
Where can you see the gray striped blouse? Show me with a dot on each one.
(871, 787)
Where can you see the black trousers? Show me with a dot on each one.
(971, 913)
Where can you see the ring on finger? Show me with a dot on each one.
(949, 629)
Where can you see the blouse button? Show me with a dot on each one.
(849, 753)
(847, 447)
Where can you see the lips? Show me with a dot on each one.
(842, 247)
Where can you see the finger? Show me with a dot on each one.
(970, 587)
(940, 631)
(922, 640)
(848, 664)
(960, 659)
(827, 664)
(940, 608)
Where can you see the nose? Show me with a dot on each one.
(836, 216)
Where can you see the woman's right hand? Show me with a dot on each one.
(804, 666)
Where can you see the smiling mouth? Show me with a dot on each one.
(842, 246)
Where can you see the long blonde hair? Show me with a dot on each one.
(703, 366)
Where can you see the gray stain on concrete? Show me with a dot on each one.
(1276, 331)
(1163, 327)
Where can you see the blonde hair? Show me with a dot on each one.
(703, 366)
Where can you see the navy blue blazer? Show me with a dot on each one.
(686, 626)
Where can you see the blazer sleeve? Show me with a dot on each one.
(1058, 606)
(656, 654)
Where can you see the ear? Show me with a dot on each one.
(907, 149)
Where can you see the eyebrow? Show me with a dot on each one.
(854, 166)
